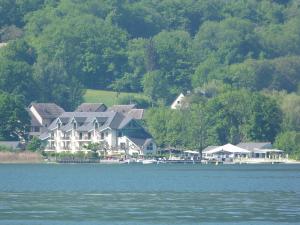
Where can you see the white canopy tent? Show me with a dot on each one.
(228, 148)
(225, 153)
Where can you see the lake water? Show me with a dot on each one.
(149, 194)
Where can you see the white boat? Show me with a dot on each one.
(149, 161)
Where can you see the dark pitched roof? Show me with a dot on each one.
(67, 127)
(91, 107)
(48, 110)
(115, 122)
(137, 114)
(141, 142)
(121, 108)
(254, 145)
(125, 121)
(85, 119)
(86, 127)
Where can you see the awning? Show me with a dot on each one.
(191, 152)
(228, 148)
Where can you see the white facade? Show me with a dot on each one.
(109, 134)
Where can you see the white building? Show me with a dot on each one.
(112, 131)
(178, 103)
(250, 152)
(262, 150)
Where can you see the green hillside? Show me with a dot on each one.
(107, 97)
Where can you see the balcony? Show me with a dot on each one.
(65, 138)
(84, 138)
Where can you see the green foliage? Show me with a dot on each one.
(16, 73)
(155, 85)
(178, 129)
(35, 144)
(56, 85)
(291, 109)
(289, 142)
(242, 116)
(4, 148)
(156, 120)
(278, 74)
(14, 117)
(12, 11)
(139, 101)
(231, 40)
(96, 61)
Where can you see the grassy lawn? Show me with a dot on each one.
(109, 98)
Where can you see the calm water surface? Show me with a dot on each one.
(149, 194)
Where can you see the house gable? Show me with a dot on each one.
(178, 102)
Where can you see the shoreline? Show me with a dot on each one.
(28, 157)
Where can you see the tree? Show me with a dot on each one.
(173, 50)
(16, 74)
(137, 53)
(14, 117)
(289, 142)
(281, 39)
(155, 85)
(156, 121)
(35, 144)
(16, 78)
(176, 129)
(291, 111)
(231, 40)
(205, 71)
(56, 85)
(265, 119)
(242, 116)
(196, 122)
(79, 44)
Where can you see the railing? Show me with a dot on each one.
(65, 138)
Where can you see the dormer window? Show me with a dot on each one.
(96, 125)
(74, 126)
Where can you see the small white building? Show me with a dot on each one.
(177, 104)
(261, 150)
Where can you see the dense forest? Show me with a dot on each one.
(239, 60)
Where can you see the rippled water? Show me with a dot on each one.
(149, 194)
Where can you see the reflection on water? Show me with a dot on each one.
(176, 204)
(151, 207)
